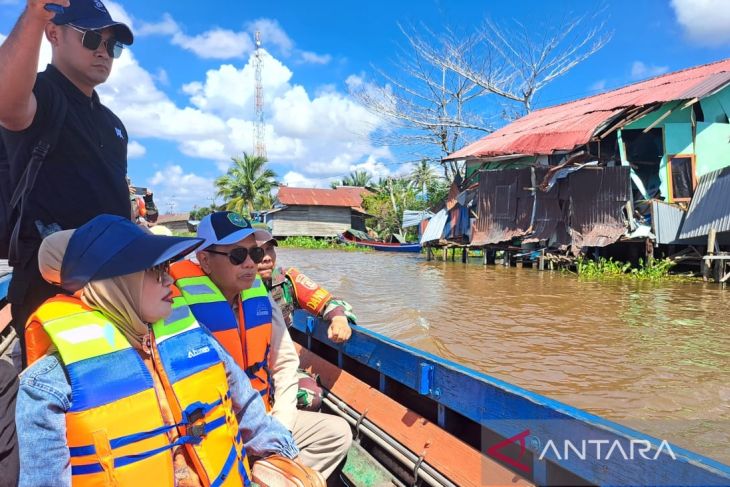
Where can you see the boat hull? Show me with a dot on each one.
(382, 246)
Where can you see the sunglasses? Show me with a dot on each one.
(238, 255)
(92, 39)
(162, 270)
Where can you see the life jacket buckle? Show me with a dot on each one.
(197, 431)
(195, 415)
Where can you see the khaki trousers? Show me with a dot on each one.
(323, 440)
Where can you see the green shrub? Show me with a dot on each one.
(314, 243)
(652, 270)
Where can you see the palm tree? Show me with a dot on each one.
(422, 175)
(246, 181)
(356, 178)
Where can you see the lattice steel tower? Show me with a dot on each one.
(259, 129)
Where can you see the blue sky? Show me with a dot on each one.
(185, 88)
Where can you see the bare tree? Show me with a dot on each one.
(432, 101)
(425, 103)
(516, 63)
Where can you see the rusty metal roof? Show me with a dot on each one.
(344, 196)
(710, 206)
(566, 126)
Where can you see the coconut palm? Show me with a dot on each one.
(356, 178)
(245, 182)
(422, 175)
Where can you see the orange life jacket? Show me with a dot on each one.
(115, 430)
(248, 343)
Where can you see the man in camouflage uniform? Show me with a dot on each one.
(291, 290)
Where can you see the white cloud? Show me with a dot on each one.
(175, 190)
(599, 85)
(216, 44)
(162, 77)
(271, 35)
(706, 22)
(639, 70)
(135, 149)
(314, 58)
(166, 26)
(298, 180)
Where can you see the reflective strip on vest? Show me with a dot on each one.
(248, 346)
(198, 290)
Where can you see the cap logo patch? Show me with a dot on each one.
(99, 6)
(238, 220)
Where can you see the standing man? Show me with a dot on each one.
(83, 174)
(225, 295)
(291, 289)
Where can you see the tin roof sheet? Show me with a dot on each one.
(710, 206)
(343, 196)
(566, 126)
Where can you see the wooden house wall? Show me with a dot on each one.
(312, 221)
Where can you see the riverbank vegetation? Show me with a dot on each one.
(314, 243)
(651, 270)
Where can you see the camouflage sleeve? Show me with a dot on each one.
(339, 307)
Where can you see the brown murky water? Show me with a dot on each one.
(654, 356)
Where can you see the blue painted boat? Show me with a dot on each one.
(422, 420)
(360, 239)
(538, 440)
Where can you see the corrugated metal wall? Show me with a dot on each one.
(597, 200)
(504, 206)
(710, 206)
(666, 221)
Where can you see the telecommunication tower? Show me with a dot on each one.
(259, 129)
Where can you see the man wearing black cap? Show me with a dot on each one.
(83, 173)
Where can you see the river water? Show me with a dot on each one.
(653, 356)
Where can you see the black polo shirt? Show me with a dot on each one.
(84, 175)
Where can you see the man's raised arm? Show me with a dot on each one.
(19, 64)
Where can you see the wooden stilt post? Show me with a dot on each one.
(491, 256)
(429, 254)
(484, 257)
(707, 268)
(446, 253)
(541, 265)
(464, 254)
(649, 248)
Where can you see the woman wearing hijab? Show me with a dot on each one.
(125, 387)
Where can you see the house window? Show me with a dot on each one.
(682, 179)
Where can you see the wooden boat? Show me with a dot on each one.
(362, 239)
(424, 420)
(418, 419)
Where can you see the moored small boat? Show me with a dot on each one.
(362, 239)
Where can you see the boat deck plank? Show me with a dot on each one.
(456, 460)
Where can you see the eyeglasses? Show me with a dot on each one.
(162, 270)
(91, 39)
(238, 255)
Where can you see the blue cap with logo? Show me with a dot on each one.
(110, 246)
(223, 228)
(93, 15)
